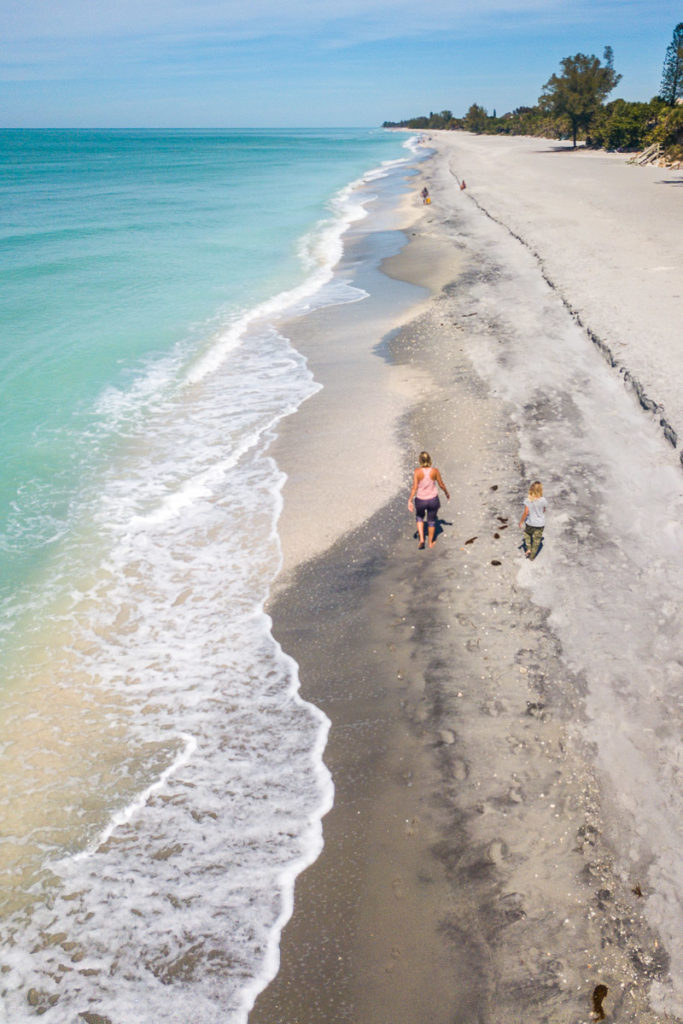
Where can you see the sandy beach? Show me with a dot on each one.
(505, 738)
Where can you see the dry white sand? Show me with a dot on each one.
(577, 253)
(606, 233)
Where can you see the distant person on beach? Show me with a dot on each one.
(533, 519)
(425, 194)
(425, 491)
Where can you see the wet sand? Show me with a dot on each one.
(465, 876)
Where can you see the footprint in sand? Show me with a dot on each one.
(399, 889)
(396, 955)
(497, 851)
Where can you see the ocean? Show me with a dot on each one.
(162, 783)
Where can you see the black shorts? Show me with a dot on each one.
(429, 505)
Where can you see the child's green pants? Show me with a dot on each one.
(532, 539)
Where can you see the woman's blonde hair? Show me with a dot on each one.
(425, 459)
(536, 489)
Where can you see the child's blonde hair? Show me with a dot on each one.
(536, 489)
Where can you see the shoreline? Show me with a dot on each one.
(467, 872)
(339, 343)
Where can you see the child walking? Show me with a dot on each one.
(534, 518)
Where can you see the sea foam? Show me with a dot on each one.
(167, 777)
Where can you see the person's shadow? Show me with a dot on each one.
(438, 529)
(523, 547)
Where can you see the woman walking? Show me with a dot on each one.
(425, 491)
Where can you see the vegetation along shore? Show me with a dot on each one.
(573, 105)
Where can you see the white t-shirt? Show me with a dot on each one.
(537, 509)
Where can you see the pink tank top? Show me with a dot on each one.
(426, 487)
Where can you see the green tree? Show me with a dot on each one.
(476, 119)
(441, 120)
(669, 133)
(625, 125)
(578, 93)
(672, 73)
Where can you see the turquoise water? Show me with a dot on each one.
(115, 249)
(161, 781)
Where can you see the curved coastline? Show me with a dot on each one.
(475, 863)
(149, 642)
(361, 397)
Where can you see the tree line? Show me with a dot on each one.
(573, 105)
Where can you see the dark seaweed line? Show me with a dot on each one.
(648, 404)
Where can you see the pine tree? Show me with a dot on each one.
(672, 72)
(578, 93)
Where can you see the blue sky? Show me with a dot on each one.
(276, 63)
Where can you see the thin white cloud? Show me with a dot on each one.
(45, 41)
(38, 19)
